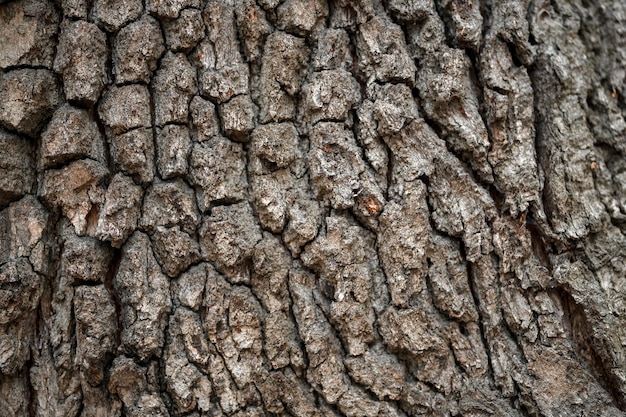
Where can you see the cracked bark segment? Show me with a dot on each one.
(449, 99)
(465, 23)
(96, 326)
(413, 332)
(77, 189)
(379, 371)
(120, 213)
(224, 73)
(85, 259)
(169, 204)
(170, 9)
(27, 99)
(271, 265)
(70, 134)
(144, 297)
(510, 119)
(301, 16)
(253, 29)
(173, 150)
(133, 153)
(188, 289)
(27, 32)
(449, 281)
(22, 227)
(333, 50)
(112, 15)
(338, 174)
(348, 271)
(410, 11)
(384, 58)
(17, 173)
(183, 33)
(173, 87)
(270, 193)
(304, 220)
(566, 143)
(282, 73)
(125, 108)
(218, 171)
(16, 395)
(174, 249)
(189, 388)
(273, 146)
(82, 60)
(405, 237)
(329, 96)
(136, 50)
(132, 384)
(228, 237)
(204, 121)
(238, 117)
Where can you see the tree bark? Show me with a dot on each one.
(312, 208)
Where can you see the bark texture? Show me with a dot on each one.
(312, 208)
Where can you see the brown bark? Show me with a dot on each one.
(312, 208)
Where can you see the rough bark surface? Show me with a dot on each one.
(312, 208)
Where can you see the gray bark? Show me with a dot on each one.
(312, 208)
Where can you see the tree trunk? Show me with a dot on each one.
(312, 208)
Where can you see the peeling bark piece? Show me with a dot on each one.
(70, 134)
(330, 95)
(169, 204)
(27, 32)
(175, 250)
(133, 153)
(301, 16)
(282, 73)
(77, 190)
(125, 108)
(27, 99)
(82, 59)
(130, 382)
(466, 21)
(17, 167)
(119, 216)
(111, 15)
(136, 50)
(85, 259)
(384, 58)
(96, 326)
(184, 32)
(238, 117)
(144, 296)
(404, 238)
(227, 238)
(173, 150)
(218, 170)
(173, 87)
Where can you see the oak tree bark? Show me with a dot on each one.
(312, 208)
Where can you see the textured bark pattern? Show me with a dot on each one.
(312, 208)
